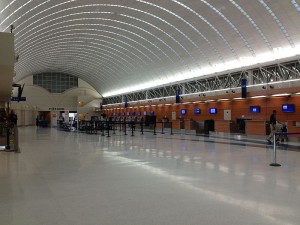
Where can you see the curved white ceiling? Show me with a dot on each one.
(120, 46)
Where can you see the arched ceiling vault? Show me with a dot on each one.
(120, 46)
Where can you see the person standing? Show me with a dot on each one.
(272, 121)
(13, 118)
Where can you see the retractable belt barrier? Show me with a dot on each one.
(106, 126)
(274, 163)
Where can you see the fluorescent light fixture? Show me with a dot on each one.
(168, 104)
(210, 100)
(237, 98)
(223, 99)
(185, 103)
(259, 96)
(279, 95)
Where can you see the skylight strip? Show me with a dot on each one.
(182, 33)
(296, 5)
(284, 31)
(65, 30)
(90, 64)
(253, 23)
(71, 40)
(80, 48)
(231, 24)
(104, 41)
(40, 12)
(15, 11)
(92, 5)
(209, 24)
(9, 4)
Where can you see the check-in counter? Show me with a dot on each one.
(257, 127)
(293, 126)
(189, 124)
(176, 124)
(226, 126)
(159, 125)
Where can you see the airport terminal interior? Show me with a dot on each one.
(117, 112)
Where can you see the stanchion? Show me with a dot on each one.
(102, 129)
(154, 133)
(274, 152)
(132, 128)
(107, 125)
(125, 128)
(171, 128)
(114, 127)
(162, 127)
(142, 129)
(7, 139)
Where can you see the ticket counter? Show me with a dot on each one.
(257, 127)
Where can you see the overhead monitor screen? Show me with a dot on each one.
(288, 108)
(255, 109)
(183, 111)
(212, 110)
(197, 111)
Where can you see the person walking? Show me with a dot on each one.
(272, 121)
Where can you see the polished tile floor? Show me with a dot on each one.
(70, 178)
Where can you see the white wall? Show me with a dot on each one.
(39, 99)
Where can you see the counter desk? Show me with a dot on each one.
(257, 127)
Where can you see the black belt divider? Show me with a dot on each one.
(154, 133)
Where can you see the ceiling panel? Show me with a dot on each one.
(121, 46)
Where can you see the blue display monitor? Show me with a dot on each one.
(132, 113)
(145, 113)
(119, 114)
(123, 113)
(139, 113)
(183, 111)
(288, 108)
(197, 111)
(254, 109)
(128, 113)
(152, 113)
(213, 110)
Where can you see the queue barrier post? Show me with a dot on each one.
(125, 127)
(107, 126)
(142, 129)
(274, 163)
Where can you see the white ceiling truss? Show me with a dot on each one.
(257, 76)
(126, 46)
